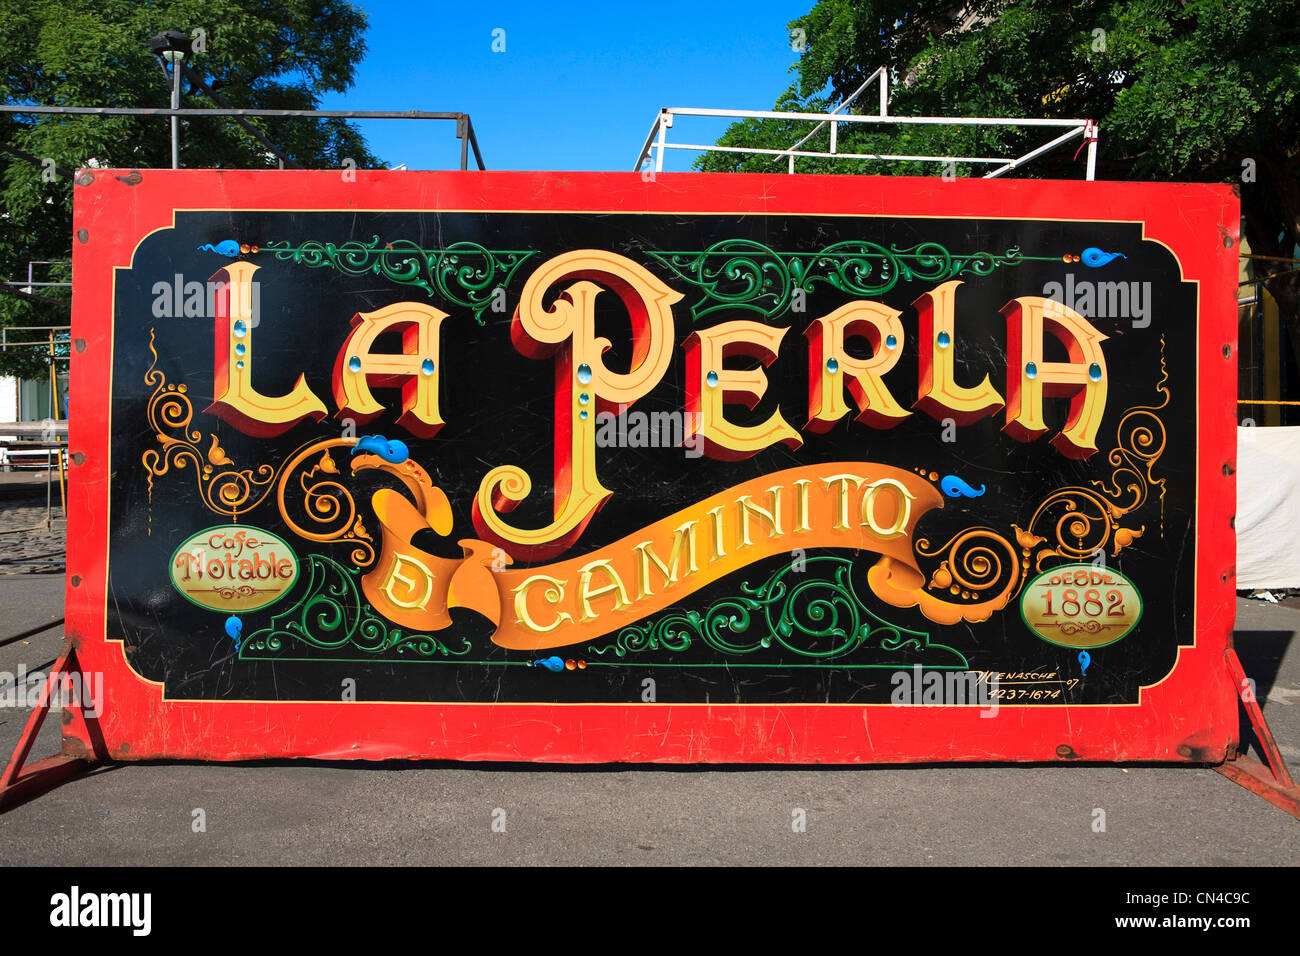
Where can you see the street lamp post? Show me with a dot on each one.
(173, 46)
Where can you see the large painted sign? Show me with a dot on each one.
(594, 467)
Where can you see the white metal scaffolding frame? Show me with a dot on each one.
(657, 140)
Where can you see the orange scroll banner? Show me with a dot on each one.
(857, 506)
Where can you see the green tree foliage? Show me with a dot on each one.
(268, 54)
(1183, 90)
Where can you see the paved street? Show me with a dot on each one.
(308, 813)
(32, 527)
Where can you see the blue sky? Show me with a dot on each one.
(579, 83)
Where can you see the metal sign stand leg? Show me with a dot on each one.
(20, 783)
(1272, 782)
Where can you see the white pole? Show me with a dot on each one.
(645, 149)
(884, 91)
(1035, 153)
(844, 104)
(714, 148)
(868, 118)
(663, 135)
(1092, 153)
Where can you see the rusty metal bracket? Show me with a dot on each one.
(21, 783)
(1272, 782)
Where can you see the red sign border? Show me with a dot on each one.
(1190, 716)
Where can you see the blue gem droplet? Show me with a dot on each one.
(712, 379)
(584, 398)
(426, 367)
(240, 348)
(944, 340)
(584, 373)
(832, 366)
(240, 329)
(239, 364)
(1094, 372)
(1031, 370)
(354, 364)
(891, 341)
(583, 414)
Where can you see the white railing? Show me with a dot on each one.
(657, 141)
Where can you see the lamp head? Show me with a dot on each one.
(171, 45)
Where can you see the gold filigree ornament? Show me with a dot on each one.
(328, 503)
(330, 510)
(982, 569)
(226, 491)
(1079, 521)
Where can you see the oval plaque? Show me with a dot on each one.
(233, 568)
(1081, 605)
